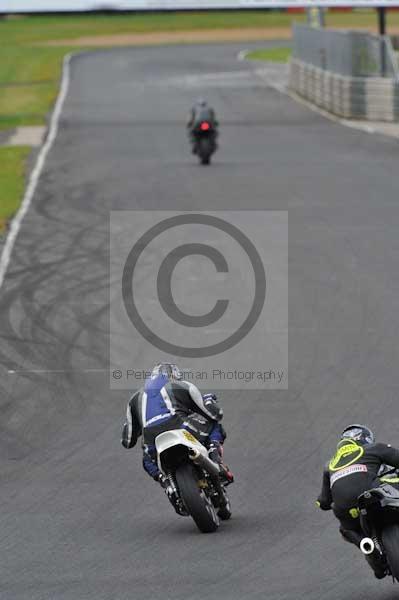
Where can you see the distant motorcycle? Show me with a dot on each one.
(379, 518)
(193, 481)
(204, 141)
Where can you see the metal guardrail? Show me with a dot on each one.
(370, 98)
(347, 53)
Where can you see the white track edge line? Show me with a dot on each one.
(328, 115)
(36, 172)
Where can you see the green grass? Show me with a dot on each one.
(41, 28)
(12, 172)
(273, 54)
(25, 30)
(359, 18)
(29, 79)
(25, 64)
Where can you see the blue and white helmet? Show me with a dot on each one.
(359, 433)
(169, 370)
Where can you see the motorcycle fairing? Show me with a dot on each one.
(177, 437)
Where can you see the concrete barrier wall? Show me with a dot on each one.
(370, 98)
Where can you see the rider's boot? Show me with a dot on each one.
(215, 453)
(170, 493)
(377, 563)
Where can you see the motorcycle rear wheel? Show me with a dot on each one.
(204, 151)
(196, 501)
(390, 540)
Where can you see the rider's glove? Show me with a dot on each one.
(125, 438)
(129, 436)
(212, 406)
(323, 505)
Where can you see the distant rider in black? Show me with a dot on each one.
(167, 402)
(201, 111)
(352, 470)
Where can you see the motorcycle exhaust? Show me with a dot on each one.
(367, 546)
(205, 462)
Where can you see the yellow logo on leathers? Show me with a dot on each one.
(348, 452)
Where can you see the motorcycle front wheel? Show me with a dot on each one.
(195, 499)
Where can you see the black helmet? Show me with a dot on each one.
(359, 433)
(171, 371)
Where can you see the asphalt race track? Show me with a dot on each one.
(79, 518)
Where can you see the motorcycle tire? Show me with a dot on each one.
(195, 499)
(390, 541)
(204, 151)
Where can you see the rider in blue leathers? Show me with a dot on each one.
(168, 402)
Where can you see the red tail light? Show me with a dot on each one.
(204, 126)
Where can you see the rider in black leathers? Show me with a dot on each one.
(201, 111)
(354, 469)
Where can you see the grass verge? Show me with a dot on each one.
(12, 181)
(36, 29)
(272, 54)
(29, 79)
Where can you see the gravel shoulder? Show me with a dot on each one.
(173, 37)
(187, 37)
